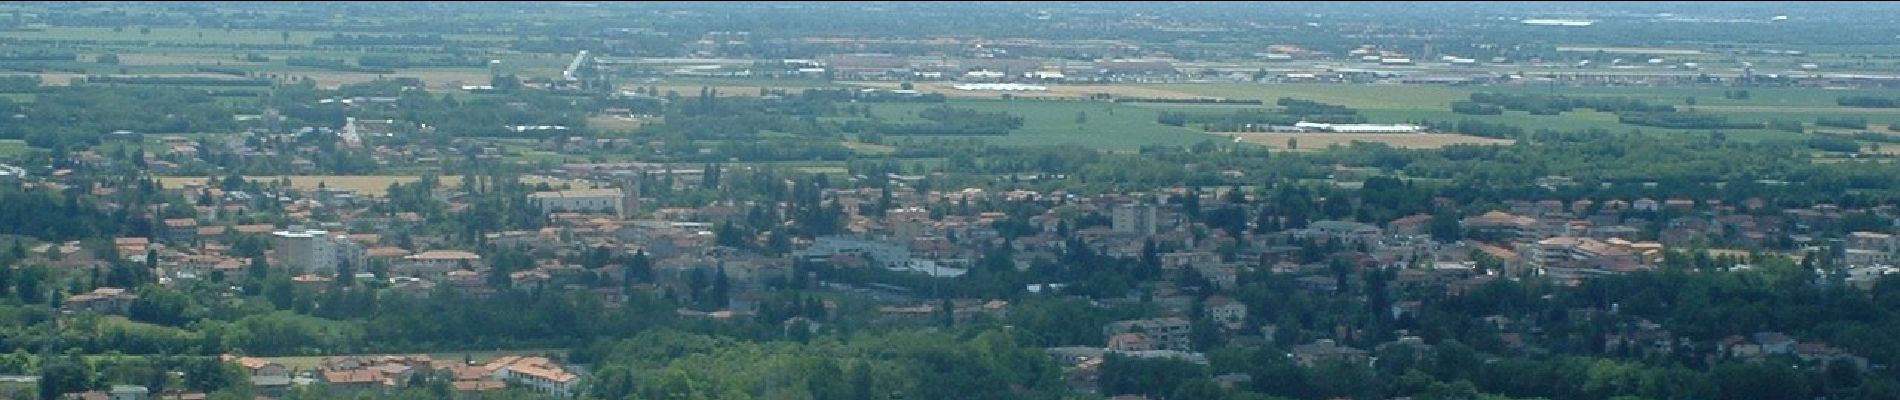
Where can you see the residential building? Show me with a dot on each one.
(539, 373)
(1138, 219)
(1169, 333)
(1308, 355)
(311, 251)
(1869, 249)
(825, 248)
(1568, 259)
(435, 264)
(611, 201)
(1225, 311)
(1500, 225)
(106, 300)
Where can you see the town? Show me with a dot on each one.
(729, 207)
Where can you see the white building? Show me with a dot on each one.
(1006, 87)
(539, 373)
(887, 255)
(588, 200)
(929, 267)
(1360, 128)
(436, 264)
(1557, 22)
(313, 251)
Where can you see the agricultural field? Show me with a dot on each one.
(1052, 122)
(1410, 103)
(1320, 141)
(868, 148)
(178, 51)
(161, 35)
(614, 123)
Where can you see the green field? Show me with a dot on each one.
(197, 35)
(1411, 103)
(13, 149)
(166, 51)
(1107, 126)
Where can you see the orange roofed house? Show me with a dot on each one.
(536, 372)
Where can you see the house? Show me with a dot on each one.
(539, 373)
(352, 380)
(1646, 204)
(181, 230)
(1323, 350)
(1774, 342)
(1129, 342)
(1225, 311)
(265, 374)
(1344, 231)
(1162, 333)
(107, 300)
(436, 264)
(1414, 225)
(1500, 225)
(118, 392)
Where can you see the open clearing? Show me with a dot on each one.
(614, 122)
(867, 148)
(1318, 141)
(10, 148)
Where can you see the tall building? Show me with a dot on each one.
(630, 203)
(1138, 218)
(307, 251)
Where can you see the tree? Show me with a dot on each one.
(1293, 143)
(861, 382)
(1445, 227)
(1759, 381)
(721, 288)
(827, 381)
(612, 382)
(62, 376)
(639, 268)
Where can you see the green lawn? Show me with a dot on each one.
(10, 149)
(1107, 126)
